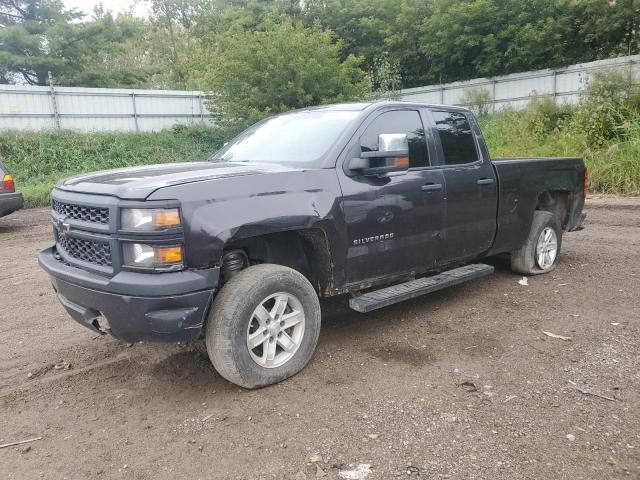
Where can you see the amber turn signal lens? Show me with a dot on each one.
(166, 218)
(402, 162)
(164, 255)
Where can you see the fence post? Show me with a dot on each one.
(441, 95)
(555, 85)
(493, 96)
(135, 111)
(54, 102)
(201, 103)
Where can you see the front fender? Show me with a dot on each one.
(220, 211)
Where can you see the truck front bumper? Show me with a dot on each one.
(131, 306)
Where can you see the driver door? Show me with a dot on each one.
(394, 222)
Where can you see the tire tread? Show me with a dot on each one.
(234, 296)
(523, 260)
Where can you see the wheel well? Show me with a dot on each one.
(556, 202)
(306, 251)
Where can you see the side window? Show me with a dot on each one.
(456, 138)
(399, 121)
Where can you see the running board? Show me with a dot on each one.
(414, 288)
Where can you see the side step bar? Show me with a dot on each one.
(414, 288)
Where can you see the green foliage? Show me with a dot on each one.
(478, 100)
(472, 38)
(371, 28)
(508, 134)
(543, 115)
(616, 168)
(33, 39)
(607, 103)
(429, 41)
(280, 67)
(110, 52)
(171, 37)
(614, 164)
(385, 78)
(40, 36)
(39, 159)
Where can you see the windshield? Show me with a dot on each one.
(297, 137)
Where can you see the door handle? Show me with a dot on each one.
(485, 181)
(431, 187)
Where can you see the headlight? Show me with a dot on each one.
(158, 257)
(149, 219)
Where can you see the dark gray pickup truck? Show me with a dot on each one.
(381, 201)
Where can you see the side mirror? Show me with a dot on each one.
(392, 156)
(393, 142)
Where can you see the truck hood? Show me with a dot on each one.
(137, 183)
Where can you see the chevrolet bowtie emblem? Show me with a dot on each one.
(63, 226)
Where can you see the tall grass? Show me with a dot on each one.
(604, 128)
(39, 159)
(614, 167)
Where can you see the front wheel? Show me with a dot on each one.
(541, 250)
(264, 326)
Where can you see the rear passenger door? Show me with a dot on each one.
(471, 186)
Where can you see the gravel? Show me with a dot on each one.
(390, 389)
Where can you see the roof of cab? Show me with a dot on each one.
(359, 106)
(354, 107)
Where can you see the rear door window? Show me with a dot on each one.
(456, 137)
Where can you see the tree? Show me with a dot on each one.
(464, 39)
(375, 28)
(282, 66)
(40, 36)
(111, 52)
(426, 41)
(30, 31)
(471, 38)
(385, 78)
(607, 29)
(175, 20)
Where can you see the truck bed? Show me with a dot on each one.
(521, 183)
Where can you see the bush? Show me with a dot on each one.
(478, 100)
(606, 106)
(385, 79)
(544, 116)
(279, 67)
(39, 159)
(614, 167)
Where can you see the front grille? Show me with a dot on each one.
(98, 253)
(81, 212)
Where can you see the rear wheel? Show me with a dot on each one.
(264, 326)
(541, 250)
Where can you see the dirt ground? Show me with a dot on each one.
(458, 384)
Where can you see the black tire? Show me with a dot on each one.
(524, 260)
(229, 319)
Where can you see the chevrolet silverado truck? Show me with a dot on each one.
(381, 201)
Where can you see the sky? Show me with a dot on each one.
(140, 7)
